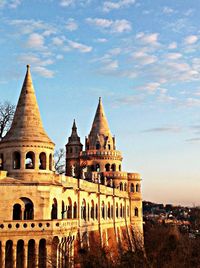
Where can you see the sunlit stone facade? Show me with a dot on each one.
(46, 217)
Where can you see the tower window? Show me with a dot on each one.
(50, 162)
(97, 167)
(30, 160)
(137, 188)
(16, 160)
(42, 158)
(1, 161)
(109, 147)
(113, 167)
(119, 167)
(107, 167)
(17, 212)
(98, 146)
(136, 212)
(132, 188)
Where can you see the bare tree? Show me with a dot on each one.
(59, 158)
(7, 111)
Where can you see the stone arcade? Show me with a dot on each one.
(45, 217)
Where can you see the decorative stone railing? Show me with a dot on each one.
(115, 174)
(102, 153)
(134, 176)
(38, 225)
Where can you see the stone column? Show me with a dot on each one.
(3, 254)
(49, 256)
(36, 253)
(14, 252)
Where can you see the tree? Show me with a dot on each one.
(7, 111)
(59, 158)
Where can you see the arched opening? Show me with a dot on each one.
(98, 146)
(136, 212)
(75, 210)
(121, 211)
(9, 254)
(20, 254)
(55, 252)
(96, 212)
(132, 188)
(109, 214)
(1, 161)
(113, 167)
(54, 210)
(43, 161)
(125, 186)
(63, 212)
(103, 210)
(50, 162)
(109, 147)
(137, 188)
(97, 167)
(17, 212)
(121, 186)
(30, 160)
(29, 209)
(117, 211)
(92, 168)
(16, 160)
(31, 253)
(107, 167)
(92, 210)
(83, 210)
(71, 150)
(119, 167)
(69, 208)
(42, 254)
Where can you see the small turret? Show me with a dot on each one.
(73, 149)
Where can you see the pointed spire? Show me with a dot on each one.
(27, 123)
(100, 123)
(74, 135)
(74, 128)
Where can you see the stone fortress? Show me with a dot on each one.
(45, 217)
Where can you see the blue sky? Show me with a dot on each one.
(141, 56)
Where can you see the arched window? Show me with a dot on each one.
(16, 160)
(1, 161)
(98, 146)
(29, 209)
(125, 186)
(97, 167)
(132, 188)
(117, 212)
(137, 188)
(121, 186)
(136, 212)
(83, 210)
(107, 167)
(54, 210)
(96, 212)
(69, 208)
(17, 212)
(119, 167)
(109, 214)
(63, 212)
(103, 210)
(109, 147)
(50, 162)
(113, 167)
(75, 210)
(70, 150)
(43, 161)
(30, 160)
(92, 210)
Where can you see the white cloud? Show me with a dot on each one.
(109, 5)
(191, 39)
(66, 3)
(71, 25)
(174, 56)
(101, 40)
(57, 41)
(80, 47)
(152, 87)
(148, 38)
(114, 26)
(35, 41)
(10, 3)
(43, 71)
(172, 45)
(144, 58)
(168, 10)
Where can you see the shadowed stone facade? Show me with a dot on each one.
(45, 217)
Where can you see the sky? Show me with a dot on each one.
(141, 56)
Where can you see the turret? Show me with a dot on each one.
(73, 149)
(26, 149)
(100, 157)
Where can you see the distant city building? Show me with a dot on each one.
(45, 217)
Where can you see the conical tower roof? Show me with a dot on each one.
(74, 138)
(100, 123)
(27, 123)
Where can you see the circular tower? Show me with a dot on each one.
(100, 157)
(73, 149)
(26, 149)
